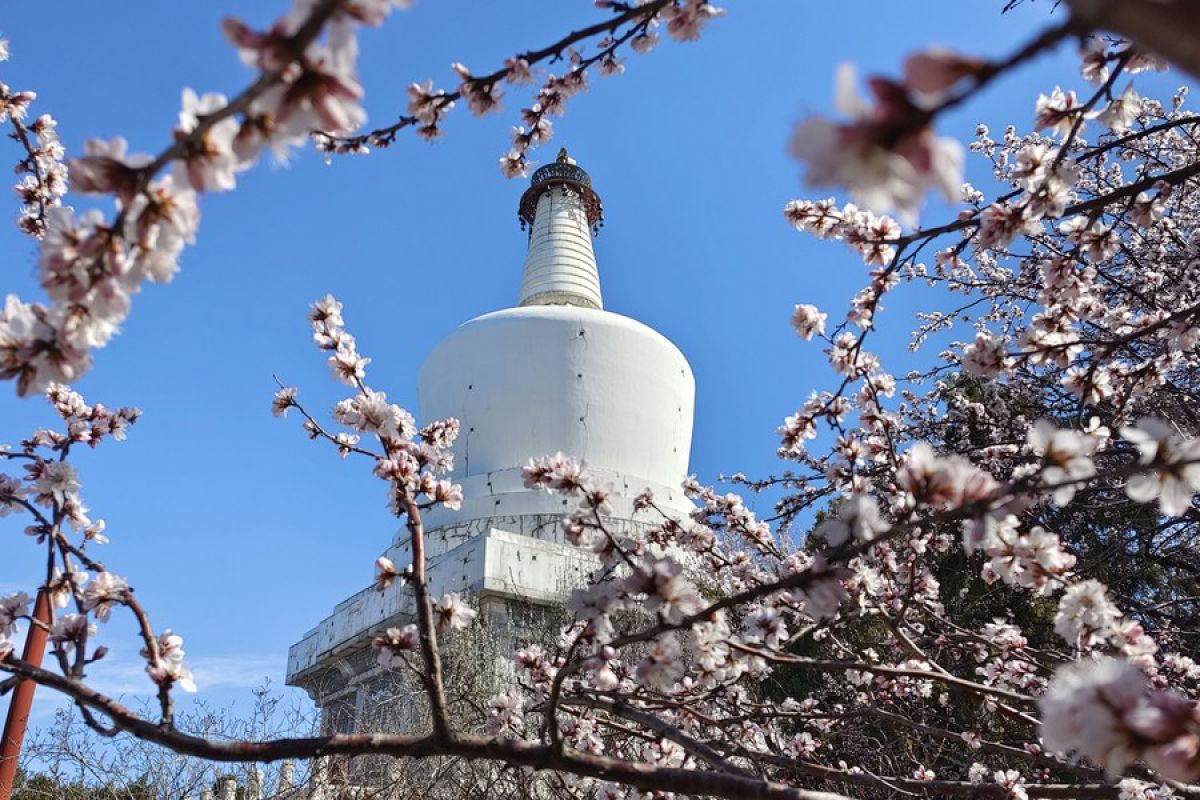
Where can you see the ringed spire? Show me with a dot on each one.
(563, 213)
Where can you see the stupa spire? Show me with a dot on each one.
(562, 212)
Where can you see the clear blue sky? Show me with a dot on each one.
(239, 533)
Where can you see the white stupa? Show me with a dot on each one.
(556, 373)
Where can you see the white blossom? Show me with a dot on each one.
(1085, 614)
(451, 613)
(1175, 475)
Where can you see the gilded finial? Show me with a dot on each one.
(562, 156)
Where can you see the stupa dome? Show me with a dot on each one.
(558, 373)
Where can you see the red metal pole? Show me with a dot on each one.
(22, 697)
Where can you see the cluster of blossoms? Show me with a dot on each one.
(684, 19)
(642, 575)
(632, 24)
(1107, 711)
(166, 666)
(451, 613)
(1078, 290)
(887, 155)
(1174, 477)
(12, 608)
(49, 494)
(50, 486)
(43, 174)
(409, 459)
(90, 266)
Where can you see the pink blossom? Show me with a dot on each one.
(264, 50)
(160, 222)
(1066, 456)
(284, 399)
(667, 591)
(767, 626)
(107, 169)
(325, 95)
(393, 643)
(385, 573)
(1000, 223)
(370, 412)
(556, 473)
(688, 18)
(426, 104)
(14, 105)
(1094, 54)
(348, 366)
(1085, 614)
(1175, 476)
(482, 98)
(102, 592)
(518, 71)
(69, 630)
(857, 520)
(12, 606)
(12, 492)
(209, 163)
(1105, 711)
(167, 668)
(933, 71)
(1059, 111)
(440, 433)
(644, 42)
(662, 665)
(56, 480)
(1119, 115)
(808, 321)
(514, 165)
(987, 356)
(886, 155)
(451, 613)
(447, 493)
(943, 482)
(505, 713)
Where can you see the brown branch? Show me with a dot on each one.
(21, 134)
(387, 134)
(1044, 41)
(519, 753)
(989, 747)
(1169, 28)
(305, 35)
(895, 672)
(1172, 178)
(1065, 791)
(697, 748)
(428, 636)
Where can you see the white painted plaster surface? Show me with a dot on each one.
(497, 563)
(503, 494)
(537, 380)
(560, 267)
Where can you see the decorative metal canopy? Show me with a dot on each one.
(566, 173)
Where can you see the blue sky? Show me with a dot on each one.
(238, 532)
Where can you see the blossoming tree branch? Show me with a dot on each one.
(1000, 597)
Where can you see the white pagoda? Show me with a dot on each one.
(555, 373)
